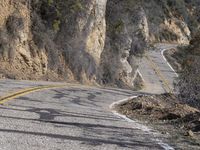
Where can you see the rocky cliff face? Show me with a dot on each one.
(52, 39)
(90, 41)
(126, 37)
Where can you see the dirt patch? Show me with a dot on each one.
(168, 115)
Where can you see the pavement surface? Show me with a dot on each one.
(73, 117)
(157, 73)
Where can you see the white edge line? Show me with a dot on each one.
(162, 53)
(140, 74)
(136, 124)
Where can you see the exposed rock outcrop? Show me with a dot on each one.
(127, 36)
(90, 41)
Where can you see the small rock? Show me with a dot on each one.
(190, 133)
(2, 76)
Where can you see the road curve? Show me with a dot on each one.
(157, 73)
(74, 117)
(77, 117)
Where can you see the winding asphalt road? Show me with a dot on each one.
(157, 73)
(73, 117)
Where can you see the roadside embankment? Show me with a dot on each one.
(168, 115)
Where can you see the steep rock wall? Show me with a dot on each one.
(127, 36)
(90, 41)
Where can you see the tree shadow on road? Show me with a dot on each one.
(87, 140)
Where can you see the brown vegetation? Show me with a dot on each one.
(168, 115)
(189, 80)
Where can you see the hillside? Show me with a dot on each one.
(189, 80)
(89, 41)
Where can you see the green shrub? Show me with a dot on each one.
(118, 27)
(76, 6)
(56, 25)
(50, 2)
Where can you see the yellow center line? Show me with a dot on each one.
(25, 91)
(165, 81)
